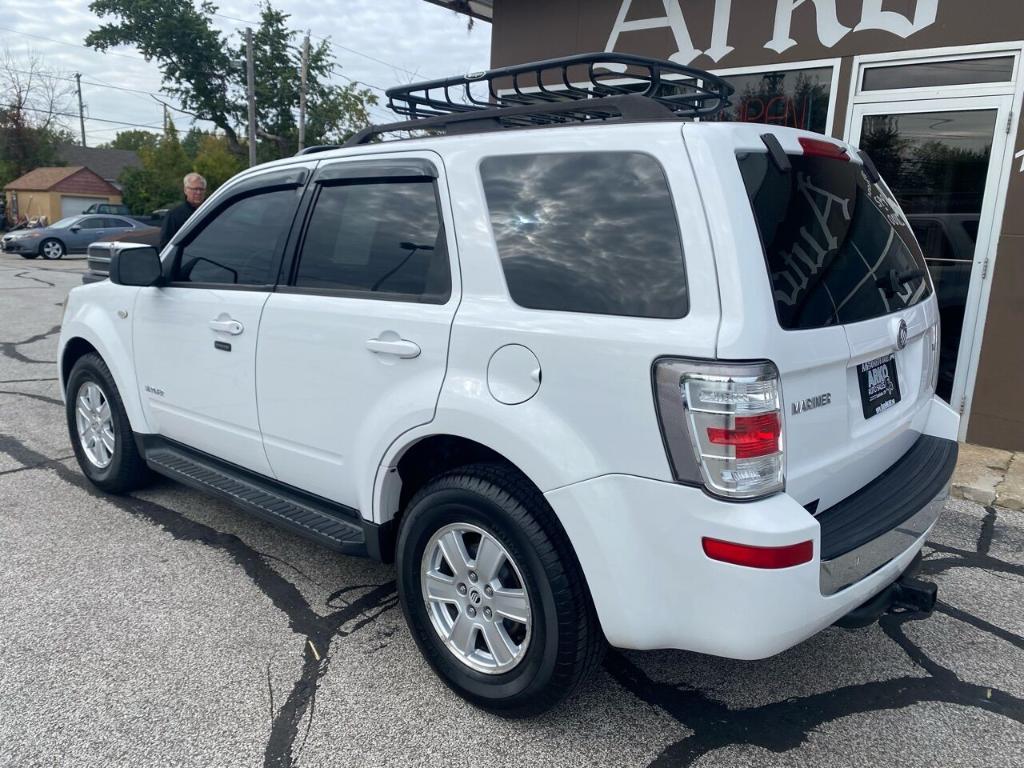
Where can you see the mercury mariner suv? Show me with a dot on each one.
(586, 369)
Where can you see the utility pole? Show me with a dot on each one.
(250, 76)
(302, 93)
(81, 112)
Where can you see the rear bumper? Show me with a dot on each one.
(639, 544)
(883, 519)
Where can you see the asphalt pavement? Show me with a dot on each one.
(167, 628)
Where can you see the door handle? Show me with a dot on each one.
(227, 325)
(398, 347)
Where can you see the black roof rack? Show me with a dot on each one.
(584, 87)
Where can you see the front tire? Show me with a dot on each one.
(492, 591)
(99, 429)
(52, 249)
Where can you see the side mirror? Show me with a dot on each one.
(138, 266)
(74, 228)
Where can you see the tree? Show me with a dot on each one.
(158, 182)
(133, 140)
(33, 103)
(215, 161)
(206, 73)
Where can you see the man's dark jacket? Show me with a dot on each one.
(175, 219)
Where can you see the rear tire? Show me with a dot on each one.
(100, 431)
(502, 518)
(52, 249)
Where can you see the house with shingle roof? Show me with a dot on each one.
(57, 192)
(108, 164)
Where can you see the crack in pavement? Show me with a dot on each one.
(10, 348)
(25, 276)
(283, 594)
(33, 396)
(26, 381)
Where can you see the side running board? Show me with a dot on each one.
(333, 525)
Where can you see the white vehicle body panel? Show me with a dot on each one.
(92, 315)
(191, 391)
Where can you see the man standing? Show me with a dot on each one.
(195, 193)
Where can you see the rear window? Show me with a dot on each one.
(591, 232)
(837, 247)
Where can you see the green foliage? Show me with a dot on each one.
(134, 140)
(206, 73)
(215, 161)
(158, 183)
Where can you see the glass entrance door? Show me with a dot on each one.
(936, 157)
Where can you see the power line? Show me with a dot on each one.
(96, 119)
(330, 43)
(74, 45)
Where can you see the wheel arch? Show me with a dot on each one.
(409, 466)
(79, 339)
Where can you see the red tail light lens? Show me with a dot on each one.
(752, 436)
(722, 425)
(819, 148)
(758, 557)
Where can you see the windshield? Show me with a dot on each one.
(64, 223)
(838, 248)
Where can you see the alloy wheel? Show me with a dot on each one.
(95, 424)
(476, 598)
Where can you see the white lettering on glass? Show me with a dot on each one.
(873, 17)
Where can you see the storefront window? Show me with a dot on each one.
(797, 98)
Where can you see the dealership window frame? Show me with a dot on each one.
(791, 66)
(1009, 90)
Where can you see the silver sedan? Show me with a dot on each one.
(73, 234)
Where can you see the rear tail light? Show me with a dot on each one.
(722, 424)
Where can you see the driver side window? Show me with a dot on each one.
(240, 244)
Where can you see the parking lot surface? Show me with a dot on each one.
(167, 628)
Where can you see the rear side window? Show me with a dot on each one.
(838, 248)
(591, 232)
(377, 238)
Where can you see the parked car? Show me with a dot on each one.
(649, 381)
(115, 208)
(70, 235)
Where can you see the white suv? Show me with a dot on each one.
(666, 384)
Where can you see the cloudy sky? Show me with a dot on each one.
(380, 43)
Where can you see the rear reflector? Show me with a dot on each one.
(751, 436)
(758, 557)
(819, 148)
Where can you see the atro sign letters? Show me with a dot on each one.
(830, 30)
